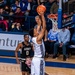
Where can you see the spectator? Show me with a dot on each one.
(71, 4)
(65, 1)
(19, 16)
(40, 2)
(65, 6)
(17, 28)
(54, 7)
(23, 5)
(2, 27)
(28, 8)
(51, 39)
(3, 18)
(14, 6)
(48, 5)
(7, 9)
(10, 2)
(35, 2)
(3, 13)
(30, 5)
(63, 41)
(3, 3)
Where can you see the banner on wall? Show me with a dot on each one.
(10, 41)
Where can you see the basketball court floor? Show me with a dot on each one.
(53, 66)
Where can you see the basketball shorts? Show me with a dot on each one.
(24, 66)
(37, 66)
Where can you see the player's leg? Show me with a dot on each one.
(23, 67)
(28, 73)
(24, 73)
(32, 67)
(42, 67)
(43, 71)
(28, 70)
(46, 74)
(37, 66)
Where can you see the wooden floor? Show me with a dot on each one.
(14, 69)
(59, 71)
(71, 59)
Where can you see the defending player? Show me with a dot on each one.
(25, 51)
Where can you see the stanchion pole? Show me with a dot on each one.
(60, 14)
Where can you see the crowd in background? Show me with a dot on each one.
(14, 13)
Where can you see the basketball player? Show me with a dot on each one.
(26, 48)
(38, 63)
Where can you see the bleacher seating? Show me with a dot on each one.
(34, 10)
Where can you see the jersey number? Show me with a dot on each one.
(27, 52)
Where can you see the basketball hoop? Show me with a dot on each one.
(53, 18)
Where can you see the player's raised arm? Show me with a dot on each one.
(39, 25)
(42, 32)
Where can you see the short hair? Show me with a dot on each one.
(37, 16)
(25, 35)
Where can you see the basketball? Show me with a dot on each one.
(41, 8)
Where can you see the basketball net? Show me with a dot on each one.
(53, 18)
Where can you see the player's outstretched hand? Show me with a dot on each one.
(39, 22)
(41, 13)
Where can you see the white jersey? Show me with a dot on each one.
(39, 49)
